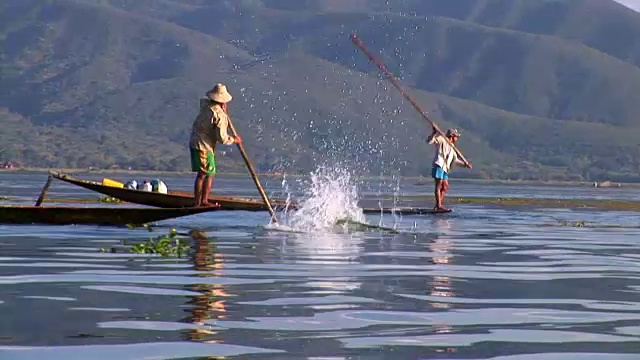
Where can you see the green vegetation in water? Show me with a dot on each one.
(580, 223)
(358, 226)
(4, 198)
(616, 205)
(584, 224)
(109, 200)
(166, 245)
(134, 226)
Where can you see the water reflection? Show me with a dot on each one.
(211, 304)
(441, 286)
(482, 282)
(327, 252)
(441, 248)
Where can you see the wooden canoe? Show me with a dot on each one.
(62, 215)
(173, 199)
(184, 199)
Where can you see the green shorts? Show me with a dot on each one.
(203, 161)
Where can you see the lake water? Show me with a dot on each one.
(479, 283)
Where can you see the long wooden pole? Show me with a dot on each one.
(253, 174)
(43, 193)
(395, 83)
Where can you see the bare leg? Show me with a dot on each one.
(198, 189)
(438, 193)
(444, 187)
(206, 191)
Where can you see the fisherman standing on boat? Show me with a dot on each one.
(209, 128)
(442, 162)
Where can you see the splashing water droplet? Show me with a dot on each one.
(330, 196)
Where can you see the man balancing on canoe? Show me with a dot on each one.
(442, 162)
(209, 128)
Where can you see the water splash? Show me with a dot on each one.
(397, 218)
(287, 191)
(330, 195)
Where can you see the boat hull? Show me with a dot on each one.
(173, 199)
(61, 215)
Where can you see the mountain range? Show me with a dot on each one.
(545, 89)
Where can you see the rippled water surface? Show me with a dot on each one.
(479, 283)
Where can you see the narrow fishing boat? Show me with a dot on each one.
(172, 199)
(68, 215)
(183, 199)
(65, 215)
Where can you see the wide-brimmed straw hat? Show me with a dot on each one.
(219, 94)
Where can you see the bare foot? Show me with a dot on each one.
(441, 208)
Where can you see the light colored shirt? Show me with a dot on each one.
(210, 127)
(445, 154)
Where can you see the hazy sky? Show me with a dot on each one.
(634, 4)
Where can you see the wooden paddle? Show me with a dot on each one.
(253, 173)
(395, 83)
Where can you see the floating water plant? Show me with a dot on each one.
(166, 245)
(624, 205)
(109, 200)
(580, 223)
(134, 226)
(352, 225)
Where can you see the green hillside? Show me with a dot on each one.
(536, 93)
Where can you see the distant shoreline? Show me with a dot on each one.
(120, 171)
(418, 180)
